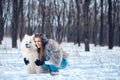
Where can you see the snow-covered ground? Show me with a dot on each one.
(98, 64)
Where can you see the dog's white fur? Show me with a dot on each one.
(30, 54)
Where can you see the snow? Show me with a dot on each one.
(98, 64)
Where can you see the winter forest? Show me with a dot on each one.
(78, 21)
(88, 30)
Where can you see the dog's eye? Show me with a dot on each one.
(30, 42)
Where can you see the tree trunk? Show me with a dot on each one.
(14, 24)
(95, 24)
(29, 18)
(21, 20)
(101, 26)
(78, 22)
(43, 15)
(1, 21)
(118, 21)
(86, 21)
(119, 35)
(111, 29)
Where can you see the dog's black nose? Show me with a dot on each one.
(27, 45)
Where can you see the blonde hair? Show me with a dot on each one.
(41, 50)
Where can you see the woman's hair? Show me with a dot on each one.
(40, 50)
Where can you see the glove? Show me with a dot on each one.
(39, 62)
(26, 61)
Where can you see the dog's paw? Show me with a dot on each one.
(26, 61)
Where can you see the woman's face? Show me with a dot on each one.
(37, 41)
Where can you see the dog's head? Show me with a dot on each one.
(28, 43)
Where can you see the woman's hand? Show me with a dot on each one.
(39, 62)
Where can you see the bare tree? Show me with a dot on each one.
(71, 17)
(115, 21)
(43, 14)
(86, 22)
(78, 21)
(1, 21)
(14, 28)
(73, 26)
(29, 18)
(95, 24)
(21, 29)
(58, 12)
(111, 28)
(101, 26)
(118, 21)
(63, 33)
(49, 19)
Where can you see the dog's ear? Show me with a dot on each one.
(33, 36)
(26, 35)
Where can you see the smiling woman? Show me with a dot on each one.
(51, 52)
(38, 43)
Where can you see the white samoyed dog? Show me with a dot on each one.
(30, 55)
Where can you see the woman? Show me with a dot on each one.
(52, 57)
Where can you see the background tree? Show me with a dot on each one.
(95, 24)
(101, 23)
(21, 20)
(111, 28)
(78, 5)
(58, 13)
(43, 15)
(118, 21)
(1, 21)
(71, 21)
(29, 17)
(86, 24)
(14, 27)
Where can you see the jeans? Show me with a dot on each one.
(53, 68)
